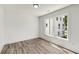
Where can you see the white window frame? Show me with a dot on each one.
(54, 24)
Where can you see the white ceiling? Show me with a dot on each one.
(47, 8)
(42, 10)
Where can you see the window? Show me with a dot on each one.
(58, 33)
(56, 18)
(60, 19)
(46, 25)
(65, 26)
(62, 26)
(57, 26)
(63, 32)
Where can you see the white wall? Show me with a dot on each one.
(2, 33)
(73, 28)
(19, 24)
(16, 24)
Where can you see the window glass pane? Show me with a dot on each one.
(56, 18)
(62, 26)
(60, 19)
(58, 33)
(65, 26)
(58, 26)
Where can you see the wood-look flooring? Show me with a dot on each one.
(34, 46)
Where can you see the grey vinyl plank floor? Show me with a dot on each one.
(34, 46)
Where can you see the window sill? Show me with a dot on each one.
(61, 38)
(56, 37)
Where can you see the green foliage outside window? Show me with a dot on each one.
(65, 25)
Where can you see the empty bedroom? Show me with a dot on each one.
(39, 28)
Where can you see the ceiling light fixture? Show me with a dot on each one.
(36, 5)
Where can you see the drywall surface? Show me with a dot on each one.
(19, 24)
(73, 28)
(2, 30)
